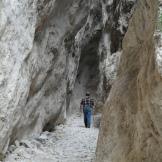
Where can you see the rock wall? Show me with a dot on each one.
(17, 28)
(131, 124)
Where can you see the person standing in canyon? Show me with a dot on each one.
(87, 106)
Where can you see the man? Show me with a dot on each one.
(87, 105)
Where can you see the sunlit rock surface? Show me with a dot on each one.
(131, 124)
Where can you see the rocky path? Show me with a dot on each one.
(69, 143)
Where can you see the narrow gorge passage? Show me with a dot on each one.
(52, 52)
(68, 143)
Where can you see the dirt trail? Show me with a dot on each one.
(69, 143)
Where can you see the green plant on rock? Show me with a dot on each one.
(159, 24)
(2, 156)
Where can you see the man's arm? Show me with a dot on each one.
(93, 105)
(81, 106)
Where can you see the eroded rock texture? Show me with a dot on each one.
(131, 125)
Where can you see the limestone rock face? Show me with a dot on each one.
(131, 125)
(17, 28)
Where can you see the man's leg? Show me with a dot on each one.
(85, 119)
(89, 119)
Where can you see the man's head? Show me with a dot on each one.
(87, 94)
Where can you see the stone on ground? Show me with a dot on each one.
(71, 142)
